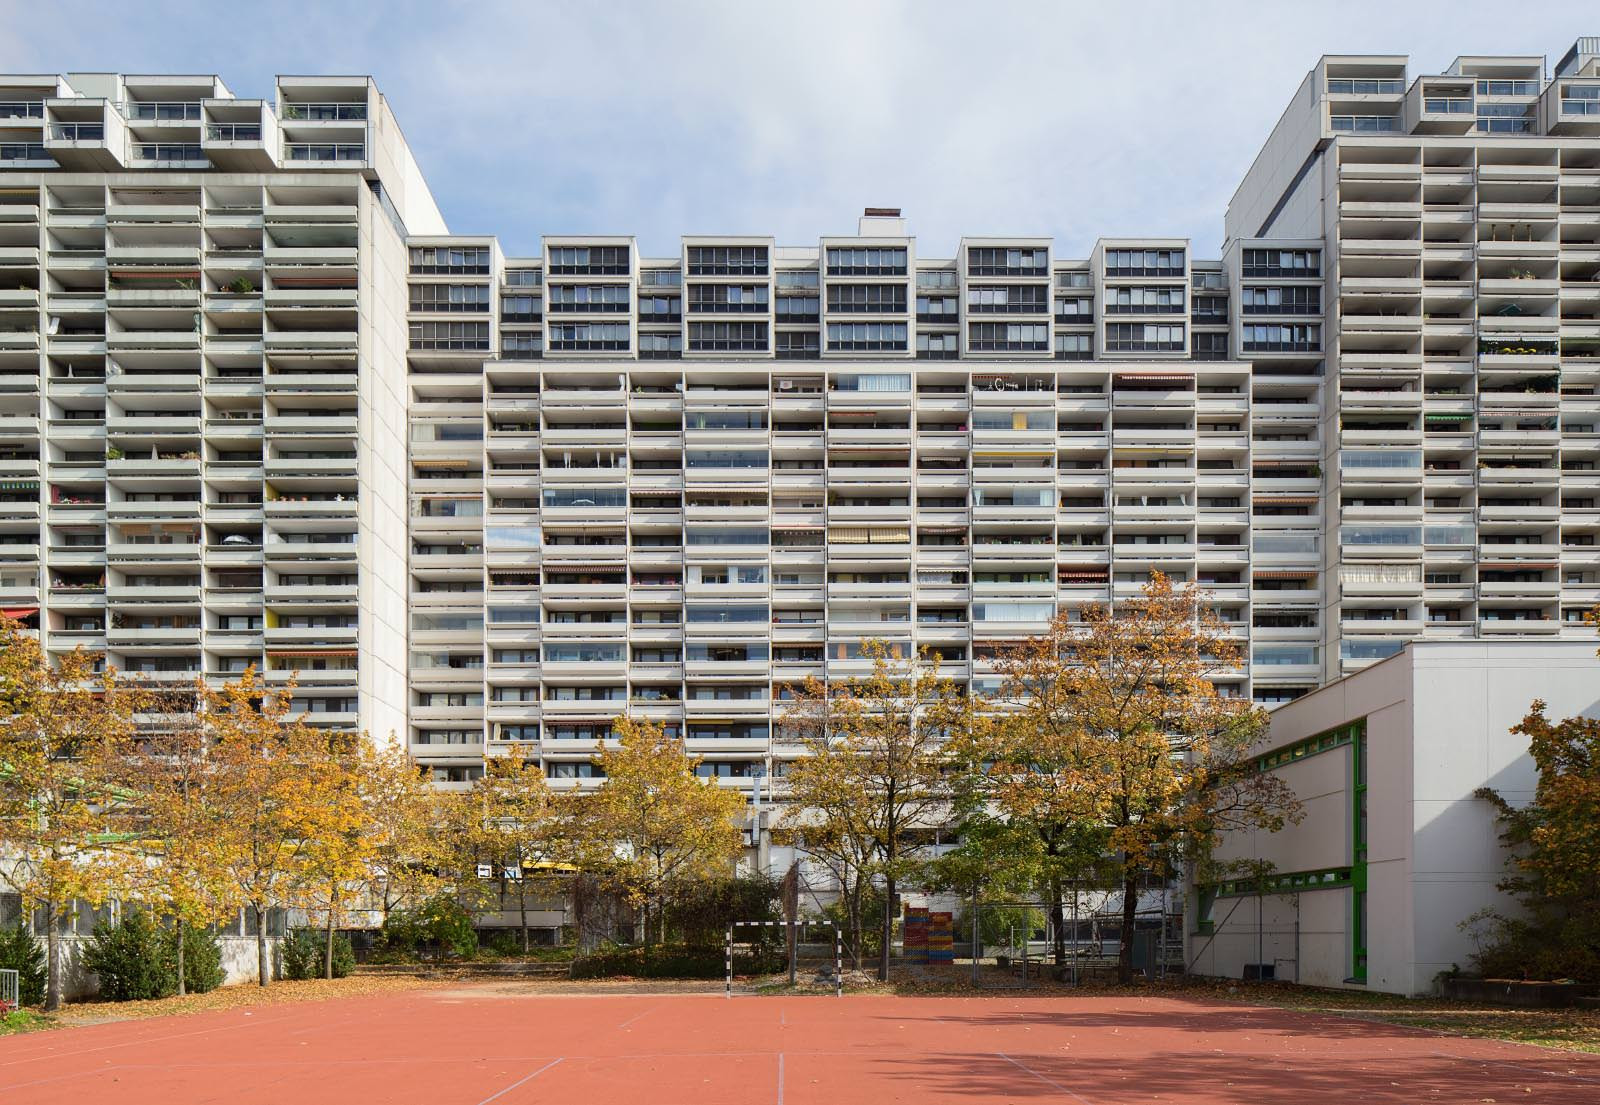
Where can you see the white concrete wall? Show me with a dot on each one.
(1438, 720)
(382, 475)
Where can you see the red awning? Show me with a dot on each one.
(1285, 575)
(17, 613)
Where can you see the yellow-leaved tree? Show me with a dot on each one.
(170, 824)
(64, 729)
(278, 817)
(1132, 734)
(655, 827)
(403, 843)
(517, 829)
(873, 773)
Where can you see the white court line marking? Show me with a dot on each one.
(520, 1081)
(780, 1078)
(646, 1013)
(1042, 1078)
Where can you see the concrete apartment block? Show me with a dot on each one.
(673, 485)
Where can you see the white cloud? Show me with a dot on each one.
(1070, 120)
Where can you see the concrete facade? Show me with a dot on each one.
(1399, 748)
(487, 503)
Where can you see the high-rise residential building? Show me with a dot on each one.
(672, 486)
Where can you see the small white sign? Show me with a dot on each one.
(485, 870)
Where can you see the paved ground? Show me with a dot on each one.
(477, 1045)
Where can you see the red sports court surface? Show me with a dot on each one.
(465, 1047)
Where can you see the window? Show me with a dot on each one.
(1380, 535)
(1009, 299)
(727, 337)
(880, 299)
(585, 496)
(597, 336)
(521, 347)
(727, 260)
(1133, 337)
(523, 278)
(1001, 261)
(1076, 309)
(1301, 299)
(728, 298)
(867, 337)
(449, 297)
(1282, 338)
(1282, 262)
(990, 337)
(426, 260)
(1144, 301)
(1036, 612)
(520, 308)
(576, 653)
(798, 344)
(1210, 346)
(866, 262)
(872, 381)
(1144, 262)
(1074, 347)
(937, 347)
(660, 346)
(1366, 86)
(725, 458)
(588, 297)
(450, 335)
(935, 279)
(725, 535)
(589, 260)
(799, 308)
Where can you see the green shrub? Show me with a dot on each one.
(304, 954)
(701, 914)
(202, 957)
(129, 959)
(440, 924)
(20, 952)
(672, 961)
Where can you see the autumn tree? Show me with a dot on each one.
(169, 823)
(63, 729)
(335, 847)
(655, 827)
(872, 771)
(1554, 847)
(268, 802)
(1119, 724)
(1026, 818)
(515, 827)
(404, 843)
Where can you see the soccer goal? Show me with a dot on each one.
(815, 955)
(10, 991)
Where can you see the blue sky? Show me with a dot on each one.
(1067, 119)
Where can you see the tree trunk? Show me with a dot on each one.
(853, 921)
(263, 967)
(1058, 923)
(327, 947)
(52, 946)
(1130, 910)
(888, 928)
(522, 915)
(178, 931)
